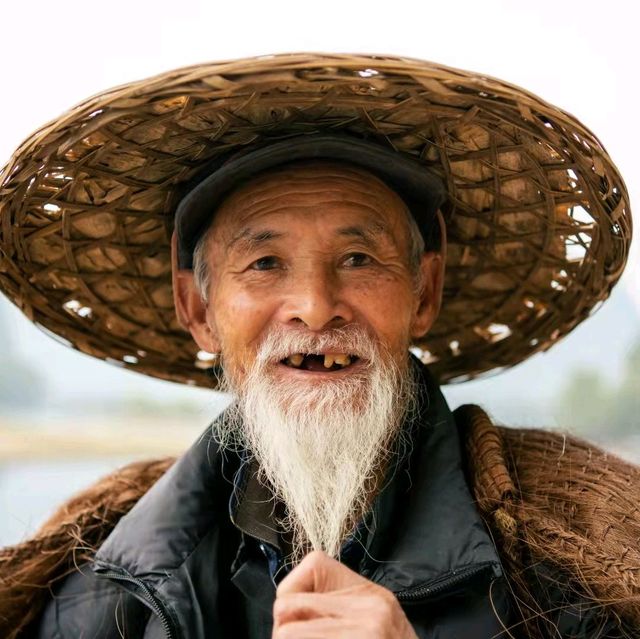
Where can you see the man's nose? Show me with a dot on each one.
(316, 299)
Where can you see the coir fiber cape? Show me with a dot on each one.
(549, 501)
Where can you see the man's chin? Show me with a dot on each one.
(297, 391)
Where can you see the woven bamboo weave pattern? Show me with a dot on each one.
(538, 218)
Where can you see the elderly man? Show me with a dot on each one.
(333, 497)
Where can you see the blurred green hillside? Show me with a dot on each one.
(591, 404)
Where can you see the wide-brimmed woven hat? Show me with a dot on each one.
(537, 215)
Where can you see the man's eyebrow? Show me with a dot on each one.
(371, 234)
(248, 238)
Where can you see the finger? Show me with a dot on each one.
(324, 628)
(318, 572)
(310, 605)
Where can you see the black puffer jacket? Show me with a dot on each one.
(176, 565)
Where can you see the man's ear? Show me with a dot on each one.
(430, 294)
(191, 310)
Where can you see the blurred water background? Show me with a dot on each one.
(66, 419)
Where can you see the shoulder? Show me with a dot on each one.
(562, 476)
(42, 572)
(563, 513)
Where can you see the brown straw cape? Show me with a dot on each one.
(538, 218)
(550, 501)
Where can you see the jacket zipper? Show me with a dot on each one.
(414, 595)
(148, 596)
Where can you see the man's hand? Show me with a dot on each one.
(322, 599)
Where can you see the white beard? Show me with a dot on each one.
(318, 444)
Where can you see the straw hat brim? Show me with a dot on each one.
(538, 219)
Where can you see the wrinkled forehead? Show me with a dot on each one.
(311, 188)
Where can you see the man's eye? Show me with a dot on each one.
(357, 259)
(264, 263)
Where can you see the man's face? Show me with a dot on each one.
(313, 247)
(313, 303)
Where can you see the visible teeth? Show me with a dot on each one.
(296, 359)
(342, 359)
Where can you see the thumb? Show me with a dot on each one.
(318, 572)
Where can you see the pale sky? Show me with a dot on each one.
(579, 56)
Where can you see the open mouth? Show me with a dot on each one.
(324, 362)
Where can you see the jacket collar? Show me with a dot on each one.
(427, 527)
(426, 524)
